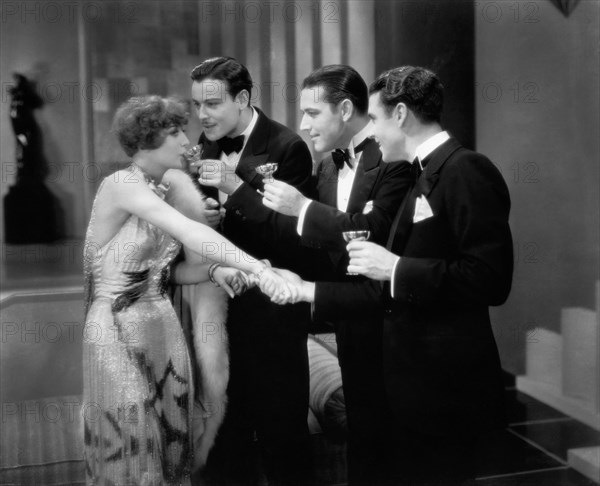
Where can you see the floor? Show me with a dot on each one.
(531, 451)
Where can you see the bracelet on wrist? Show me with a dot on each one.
(211, 273)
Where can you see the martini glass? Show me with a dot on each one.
(266, 171)
(360, 235)
(194, 154)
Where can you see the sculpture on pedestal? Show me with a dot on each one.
(31, 211)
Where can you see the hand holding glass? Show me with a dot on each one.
(361, 235)
(266, 170)
(193, 155)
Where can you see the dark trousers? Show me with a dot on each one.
(265, 430)
(381, 449)
(368, 416)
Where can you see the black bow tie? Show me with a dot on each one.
(340, 156)
(229, 145)
(416, 168)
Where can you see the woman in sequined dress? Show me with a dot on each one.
(138, 390)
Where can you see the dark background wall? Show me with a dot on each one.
(48, 53)
(537, 116)
(438, 35)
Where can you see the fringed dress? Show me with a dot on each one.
(138, 395)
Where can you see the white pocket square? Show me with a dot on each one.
(422, 210)
(368, 207)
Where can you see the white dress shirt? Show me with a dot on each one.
(422, 151)
(346, 176)
(234, 157)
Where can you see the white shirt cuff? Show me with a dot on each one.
(393, 286)
(301, 217)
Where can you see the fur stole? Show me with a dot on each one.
(203, 314)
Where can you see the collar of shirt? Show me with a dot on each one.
(234, 157)
(246, 133)
(346, 175)
(430, 145)
(366, 132)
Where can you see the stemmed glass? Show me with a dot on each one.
(360, 235)
(194, 154)
(266, 171)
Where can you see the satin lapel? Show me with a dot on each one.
(327, 186)
(327, 183)
(254, 153)
(437, 159)
(247, 169)
(364, 180)
(403, 223)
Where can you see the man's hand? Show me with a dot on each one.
(277, 288)
(370, 260)
(233, 281)
(304, 291)
(219, 174)
(212, 212)
(283, 198)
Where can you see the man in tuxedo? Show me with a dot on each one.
(355, 191)
(266, 418)
(447, 259)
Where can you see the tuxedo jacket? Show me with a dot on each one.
(377, 191)
(441, 366)
(267, 342)
(248, 223)
(375, 196)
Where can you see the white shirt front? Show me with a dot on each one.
(234, 157)
(346, 176)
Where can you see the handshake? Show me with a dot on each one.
(284, 287)
(281, 286)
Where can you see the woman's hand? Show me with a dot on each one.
(276, 287)
(233, 281)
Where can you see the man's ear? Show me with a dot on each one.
(401, 113)
(347, 109)
(243, 98)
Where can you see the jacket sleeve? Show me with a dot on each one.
(347, 300)
(295, 168)
(324, 224)
(477, 203)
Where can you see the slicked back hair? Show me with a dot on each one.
(419, 88)
(226, 69)
(340, 82)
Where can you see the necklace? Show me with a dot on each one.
(161, 189)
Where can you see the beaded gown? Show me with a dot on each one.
(138, 395)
